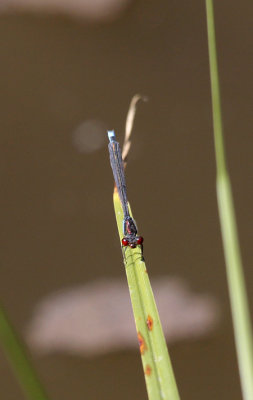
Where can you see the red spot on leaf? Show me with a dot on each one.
(148, 370)
(142, 343)
(150, 323)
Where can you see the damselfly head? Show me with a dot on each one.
(132, 242)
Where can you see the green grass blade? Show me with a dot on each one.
(160, 381)
(235, 276)
(19, 360)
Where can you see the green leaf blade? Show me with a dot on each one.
(19, 360)
(159, 376)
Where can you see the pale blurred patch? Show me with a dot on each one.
(89, 136)
(92, 10)
(97, 318)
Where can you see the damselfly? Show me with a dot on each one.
(130, 238)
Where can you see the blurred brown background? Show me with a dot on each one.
(56, 72)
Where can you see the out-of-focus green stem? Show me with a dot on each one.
(235, 276)
(16, 354)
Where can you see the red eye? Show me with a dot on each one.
(124, 242)
(139, 240)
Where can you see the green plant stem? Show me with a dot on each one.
(159, 376)
(17, 356)
(235, 276)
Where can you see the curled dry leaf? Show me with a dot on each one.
(97, 318)
(130, 123)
